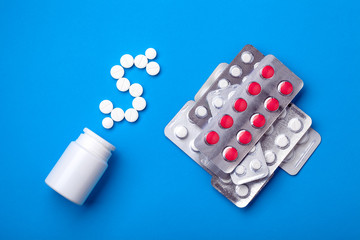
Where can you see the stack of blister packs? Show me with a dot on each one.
(242, 125)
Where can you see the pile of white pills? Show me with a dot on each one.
(123, 85)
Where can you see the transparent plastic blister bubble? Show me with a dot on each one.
(274, 154)
(297, 158)
(252, 168)
(241, 66)
(247, 120)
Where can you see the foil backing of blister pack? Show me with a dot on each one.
(241, 119)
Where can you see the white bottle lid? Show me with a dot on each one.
(80, 167)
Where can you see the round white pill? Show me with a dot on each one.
(141, 61)
(270, 157)
(153, 68)
(223, 83)
(106, 106)
(281, 141)
(193, 147)
(127, 61)
(247, 57)
(181, 132)
(107, 123)
(117, 114)
(136, 90)
(235, 71)
(139, 103)
(242, 191)
(117, 72)
(304, 139)
(295, 125)
(270, 130)
(255, 165)
(240, 170)
(123, 84)
(131, 115)
(150, 53)
(218, 102)
(201, 112)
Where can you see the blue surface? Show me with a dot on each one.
(55, 59)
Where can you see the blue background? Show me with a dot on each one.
(55, 59)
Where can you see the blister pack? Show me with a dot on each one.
(297, 158)
(183, 133)
(255, 105)
(241, 66)
(277, 143)
(242, 126)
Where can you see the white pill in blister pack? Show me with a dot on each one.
(235, 71)
(117, 114)
(117, 72)
(107, 123)
(123, 84)
(131, 115)
(252, 168)
(139, 103)
(247, 57)
(150, 53)
(223, 83)
(136, 90)
(140, 61)
(106, 106)
(127, 61)
(153, 68)
(201, 112)
(181, 132)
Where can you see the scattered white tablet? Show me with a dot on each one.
(107, 123)
(117, 114)
(139, 103)
(106, 106)
(117, 72)
(123, 84)
(127, 61)
(131, 115)
(140, 61)
(136, 90)
(153, 68)
(150, 53)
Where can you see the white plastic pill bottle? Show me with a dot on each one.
(80, 167)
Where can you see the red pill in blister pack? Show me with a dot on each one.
(276, 144)
(263, 96)
(182, 132)
(225, 75)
